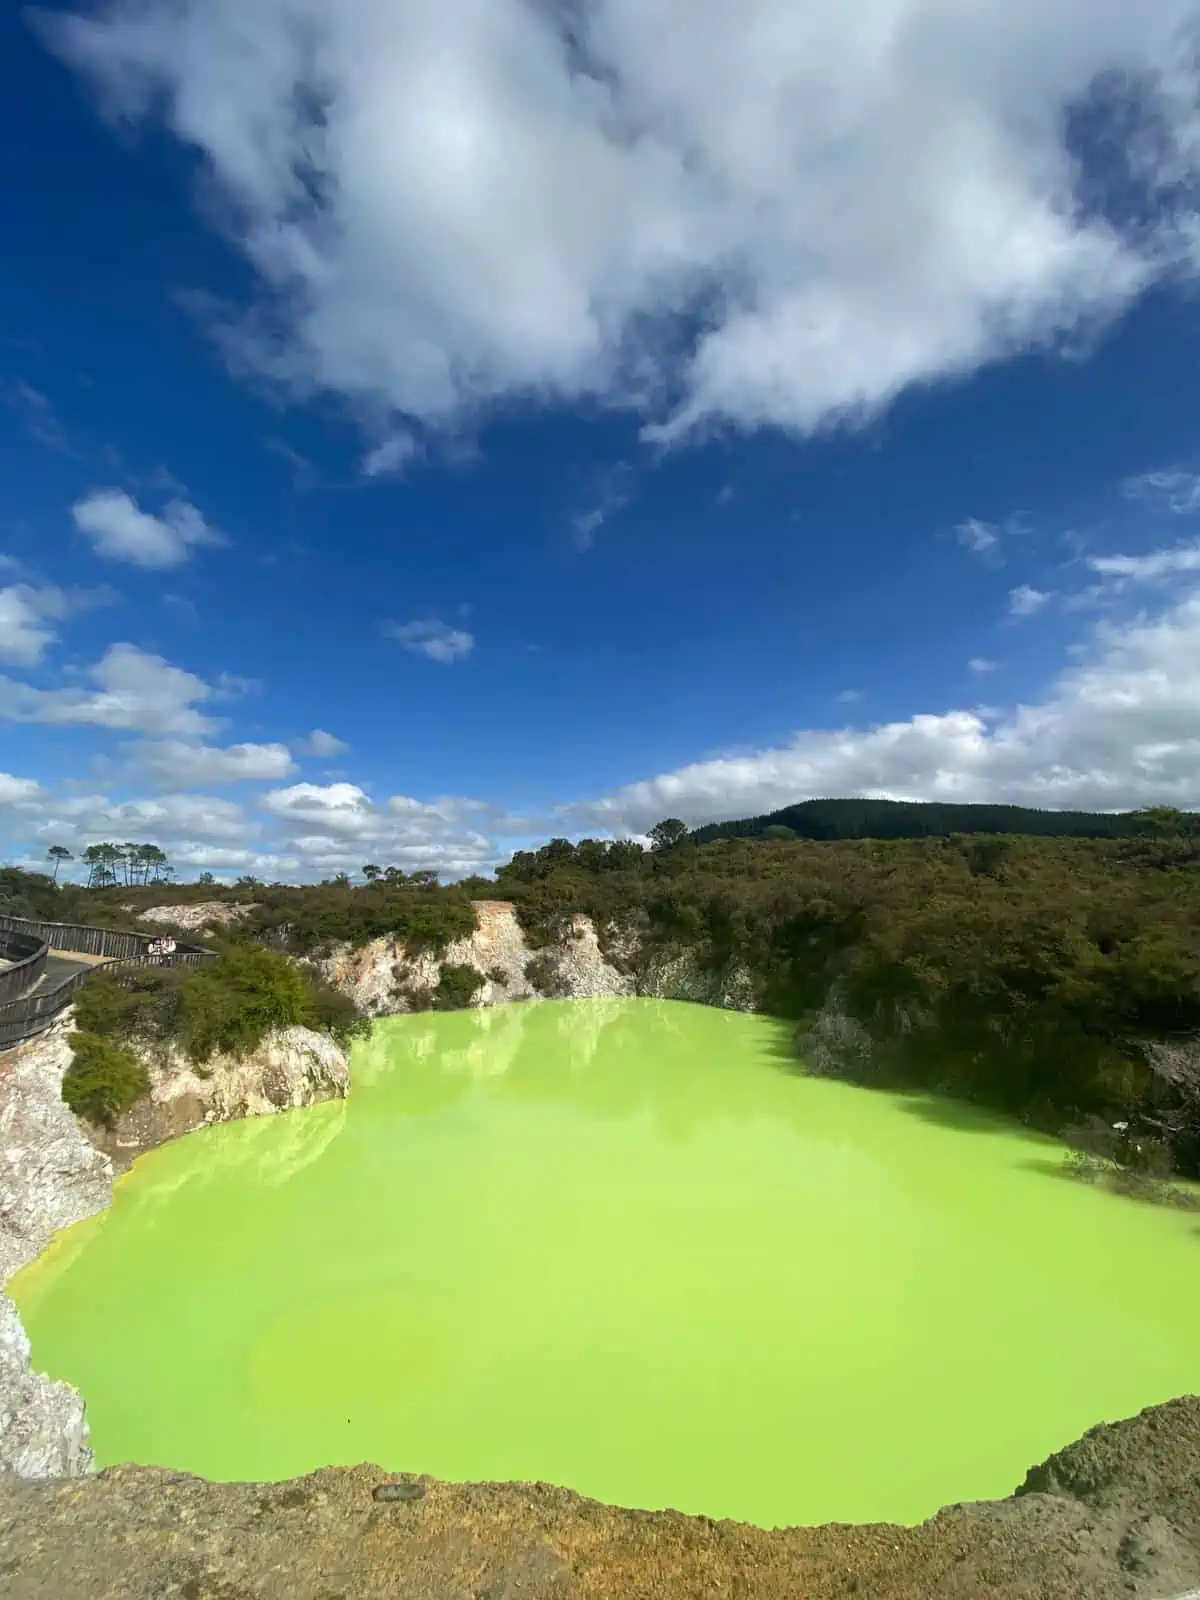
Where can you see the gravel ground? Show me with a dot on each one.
(1115, 1516)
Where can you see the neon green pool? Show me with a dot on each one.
(625, 1247)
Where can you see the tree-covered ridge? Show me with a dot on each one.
(1025, 973)
(910, 819)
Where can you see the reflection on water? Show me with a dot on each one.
(615, 1244)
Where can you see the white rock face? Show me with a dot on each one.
(43, 1429)
(192, 918)
(381, 975)
(50, 1176)
(583, 970)
(292, 1067)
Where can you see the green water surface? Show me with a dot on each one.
(625, 1247)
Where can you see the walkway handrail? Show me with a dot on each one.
(24, 1014)
(83, 939)
(28, 956)
(22, 1019)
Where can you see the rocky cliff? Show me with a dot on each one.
(55, 1171)
(384, 978)
(1114, 1517)
(50, 1176)
(292, 1067)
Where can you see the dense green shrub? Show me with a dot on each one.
(457, 987)
(145, 1004)
(227, 1005)
(311, 919)
(103, 1079)
(230, 1004)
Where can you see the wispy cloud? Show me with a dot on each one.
(323, 745)
(979, 666)
(1155, 567)
(391, 457)
(1176, 490)
(432, 638)
(612, 493)
(37, 416)
(302, 469)
(987, 540)
(1025, 601)
(979, 537)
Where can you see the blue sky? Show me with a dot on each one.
(425, 432)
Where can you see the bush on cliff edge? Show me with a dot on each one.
(103, 1079)
(227, 1006)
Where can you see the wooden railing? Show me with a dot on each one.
(22, 1019)
(24, 1014)
(77, 939)
(28, 956)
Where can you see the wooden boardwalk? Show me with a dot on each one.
(44, 963)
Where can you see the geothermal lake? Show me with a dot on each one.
(622, 1246)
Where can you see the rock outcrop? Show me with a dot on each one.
(676, 974)
(292, 1067)
(193, 918)
(383, 978)
(1116, 1517)
(50, 1176)
(54, 1171)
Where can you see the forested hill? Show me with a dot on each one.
(910, 819)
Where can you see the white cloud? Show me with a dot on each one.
(121, 531)
(429, 637)
(765, 214)
(849, 697)
(197, 856)
(27, 616)
(20, 793)
(612, 492)
(981, 538)
(131, 689)
(166, 820)
(1178, 491)
(987, 540)
(390, 456)
(341, 808)
(1120, 729)
(177, 762)
(335, 827)
(979, 666)
(1025, 601)
(1151, 568)
(322, 744)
